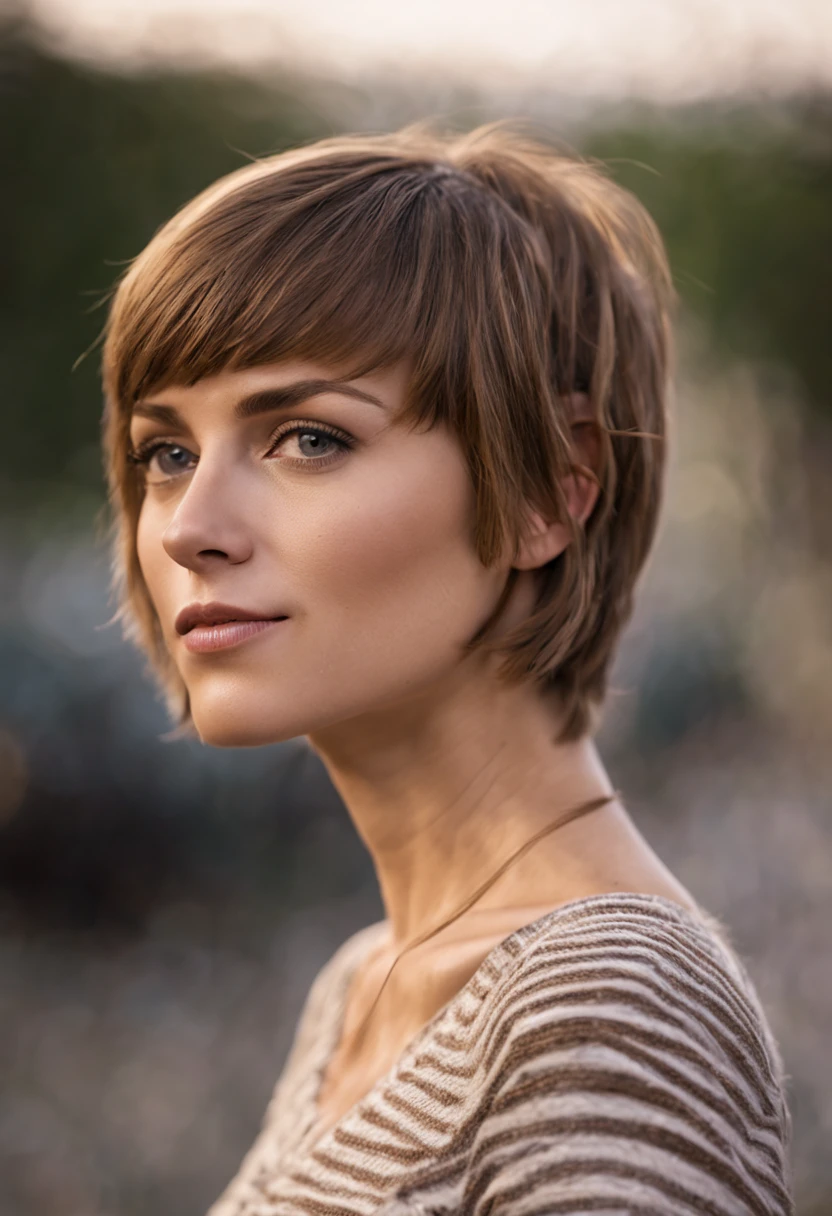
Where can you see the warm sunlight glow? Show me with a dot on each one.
(602, 48)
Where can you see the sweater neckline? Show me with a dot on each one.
(359, 946)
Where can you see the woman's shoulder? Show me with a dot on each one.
(614, 943)
(322, 1006)
(293, 1093)
(632, 927)
(646, 966)
(626, 1042)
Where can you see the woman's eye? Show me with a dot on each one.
(315, 444)
(169, 459)
(172, 459)
(310, 445)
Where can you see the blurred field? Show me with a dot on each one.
(163, 907)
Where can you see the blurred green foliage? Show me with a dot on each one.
(98, 161)
(743, 198)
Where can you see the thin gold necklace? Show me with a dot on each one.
(575, 813)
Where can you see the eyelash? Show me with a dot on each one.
(143, 453)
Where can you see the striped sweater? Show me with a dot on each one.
(611, 1057)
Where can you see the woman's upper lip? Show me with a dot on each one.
(217, 614)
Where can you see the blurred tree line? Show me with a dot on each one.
(96, 161)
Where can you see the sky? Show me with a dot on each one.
(663, 49)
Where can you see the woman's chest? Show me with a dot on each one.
(389, 1003)
(398, 1152)
(408, 1129)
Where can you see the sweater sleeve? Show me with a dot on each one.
(631, 1074)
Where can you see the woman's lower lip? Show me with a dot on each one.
(205, 638)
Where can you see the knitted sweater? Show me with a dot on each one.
(611, 1057)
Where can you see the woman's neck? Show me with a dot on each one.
(445, 788)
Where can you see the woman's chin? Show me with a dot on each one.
(234, 730)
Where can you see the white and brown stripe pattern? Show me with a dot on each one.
(612, 1057)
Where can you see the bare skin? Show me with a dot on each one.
(445, 771)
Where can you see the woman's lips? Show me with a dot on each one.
(204, 638)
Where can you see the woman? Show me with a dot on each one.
(384, 433)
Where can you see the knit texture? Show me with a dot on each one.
(611, 1057)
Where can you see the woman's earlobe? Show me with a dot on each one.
(541, 542)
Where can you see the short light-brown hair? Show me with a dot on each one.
(508, 274)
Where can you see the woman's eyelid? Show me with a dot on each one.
(145, 440)
(297, 423)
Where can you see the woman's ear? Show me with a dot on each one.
(544, 540)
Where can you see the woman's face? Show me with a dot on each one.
(282, 492)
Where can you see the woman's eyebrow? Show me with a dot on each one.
(266, 399)
(294, 394)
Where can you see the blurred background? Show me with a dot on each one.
(164, 906)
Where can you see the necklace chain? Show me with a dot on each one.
(576, 812)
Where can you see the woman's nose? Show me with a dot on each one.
(208, 525)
